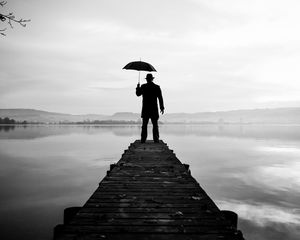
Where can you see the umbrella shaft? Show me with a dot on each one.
(139, 76)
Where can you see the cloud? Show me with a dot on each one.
(224, 55)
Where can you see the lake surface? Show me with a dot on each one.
(252, 170)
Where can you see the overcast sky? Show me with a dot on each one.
(210, 55)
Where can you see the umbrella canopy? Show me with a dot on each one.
(140, 66)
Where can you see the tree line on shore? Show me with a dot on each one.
(7, 120)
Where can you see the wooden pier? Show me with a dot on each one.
(148, 194)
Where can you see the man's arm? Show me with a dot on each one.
(161, 101)
(138, 90)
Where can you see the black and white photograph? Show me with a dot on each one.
(150, 120)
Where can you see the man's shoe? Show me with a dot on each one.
(156, 141)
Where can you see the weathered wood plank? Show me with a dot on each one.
(172, 210)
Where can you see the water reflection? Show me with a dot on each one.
(6, 128)
(262, 215)
(253, 170)
(282, 132)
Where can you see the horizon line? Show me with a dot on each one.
(233, 110)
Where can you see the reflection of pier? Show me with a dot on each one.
(148, 194)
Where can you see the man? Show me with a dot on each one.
(151, 92)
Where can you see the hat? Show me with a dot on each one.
(149, 76)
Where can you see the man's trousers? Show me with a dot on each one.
(154, 130)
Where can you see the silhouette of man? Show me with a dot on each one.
(151, 92)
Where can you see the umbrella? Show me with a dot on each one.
(140, 66)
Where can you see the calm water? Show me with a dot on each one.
(252, 170)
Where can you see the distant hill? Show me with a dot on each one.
(126, 116)
(276, 115)
(32, 115)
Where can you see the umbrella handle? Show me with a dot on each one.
(139, 72)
